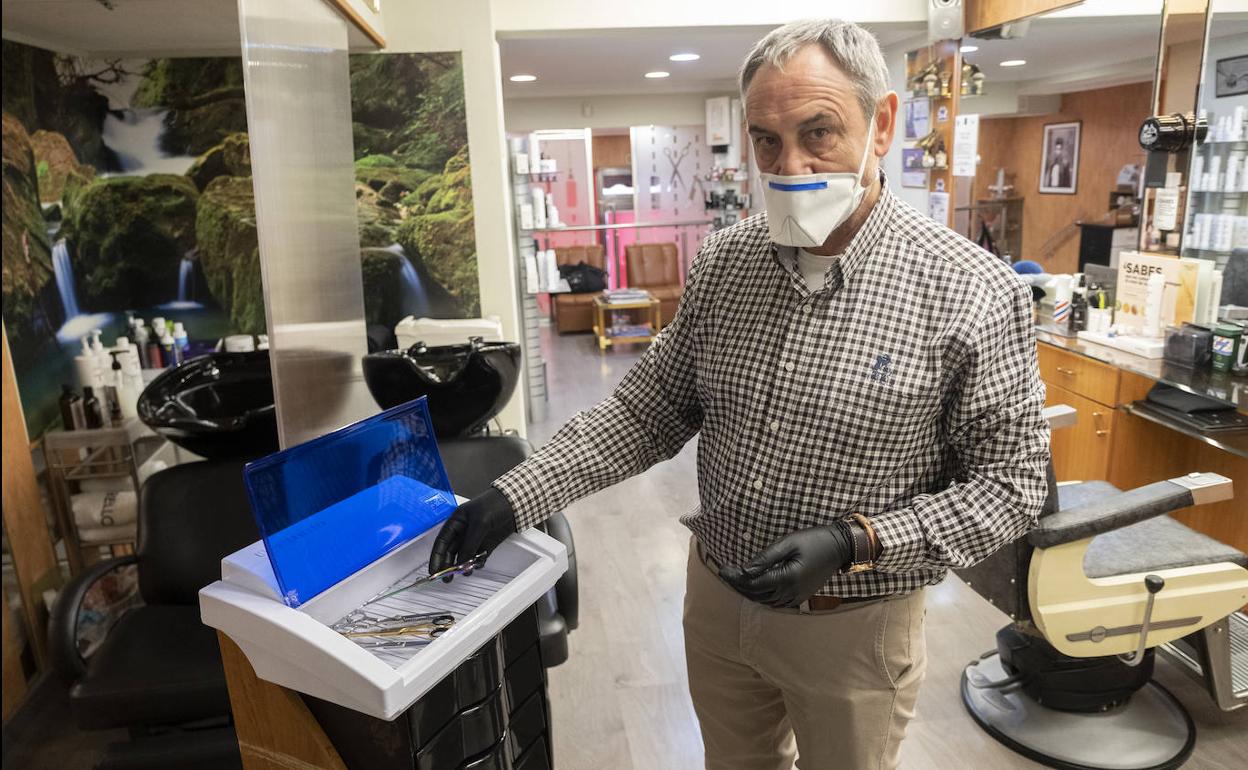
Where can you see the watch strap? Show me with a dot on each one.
(860, 538)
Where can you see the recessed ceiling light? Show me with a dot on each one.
(522, 78)
(684, 57)
(1013, 62)
(969, 48)
(658, 74)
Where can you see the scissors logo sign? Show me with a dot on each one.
(677, 179)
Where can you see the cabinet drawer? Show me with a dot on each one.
(1080, 375)
(1081, 452)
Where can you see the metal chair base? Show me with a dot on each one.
(1151, 731)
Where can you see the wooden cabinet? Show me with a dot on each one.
(612, 151)
(1079, 374)
(1082, 451)
(1108, 443)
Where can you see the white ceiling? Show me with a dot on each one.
(1062, 54)
(605, 62)
(134, 28)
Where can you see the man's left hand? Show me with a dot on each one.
(790, 570)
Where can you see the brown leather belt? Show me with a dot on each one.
(813, 604)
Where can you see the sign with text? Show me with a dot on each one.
(965, 144)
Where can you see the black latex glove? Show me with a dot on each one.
(790, 570)
(477, 526)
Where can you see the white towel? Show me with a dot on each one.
(104, 509)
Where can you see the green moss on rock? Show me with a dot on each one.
(205, 100)
(382, 274)
(27, 269)
(229, 250)
(230, 158)
(128, 236)
(56, 163)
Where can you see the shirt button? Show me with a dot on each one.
(748, 537)
(758, 484)
(775, 426)
(807, 308)
(788, 366)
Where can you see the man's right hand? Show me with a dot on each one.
(477, 526)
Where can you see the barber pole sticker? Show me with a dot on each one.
(1061, 310)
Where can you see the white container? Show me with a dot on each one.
(297, 648)
(447, 331)
(548, 166)
(239, 343)
(1166, 204)
(521, 162)
(539, 207)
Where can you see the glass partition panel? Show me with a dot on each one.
(299, 120)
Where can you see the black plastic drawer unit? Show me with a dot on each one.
(491, 713)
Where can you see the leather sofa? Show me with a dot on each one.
(575, 312)
(654, 267)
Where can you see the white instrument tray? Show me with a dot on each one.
(296, 648)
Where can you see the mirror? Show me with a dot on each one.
(1215, 224)
(1058, 107)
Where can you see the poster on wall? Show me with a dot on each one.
(1059, 163)
(912, 172)
(1232, 77)
(128, 192)
(917, 119)
(965, 145)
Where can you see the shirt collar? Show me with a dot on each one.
(863, 243)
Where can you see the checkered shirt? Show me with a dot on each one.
(905, 389)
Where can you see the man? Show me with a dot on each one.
(1059, 168)
(865, 385)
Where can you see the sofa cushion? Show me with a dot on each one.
(571, 255)
(566, 299)
(652, 264)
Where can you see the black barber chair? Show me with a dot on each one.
(467, 385)
(158, 670)
(1104, 579)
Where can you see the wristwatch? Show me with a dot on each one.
(864, 544)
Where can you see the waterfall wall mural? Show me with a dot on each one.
(127, 189)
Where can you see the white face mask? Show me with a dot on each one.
(804, 210)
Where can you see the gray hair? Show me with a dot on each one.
(853, 48)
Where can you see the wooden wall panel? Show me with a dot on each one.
(982, 14)
(1110, 119)
(612, 151)
(25, 523)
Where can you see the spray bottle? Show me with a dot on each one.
(112, 396)
(85, 366)
(72, 416)
(169, 350)
(140, 340)
(181, 341)
(93, 417)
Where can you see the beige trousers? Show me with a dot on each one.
(840, 684)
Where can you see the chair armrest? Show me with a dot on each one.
(1060, 416)
(63, 622)
(1129, 508)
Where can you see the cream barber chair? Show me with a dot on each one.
(1103, 580)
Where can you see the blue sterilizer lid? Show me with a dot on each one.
(333, 505)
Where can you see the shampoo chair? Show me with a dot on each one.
(1104, 580)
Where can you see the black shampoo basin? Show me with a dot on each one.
(467, 385)
(219, 406)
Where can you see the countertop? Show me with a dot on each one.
(1203, 382)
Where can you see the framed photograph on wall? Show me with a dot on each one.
(1059, 161)
(912, 172)
(917, 119)
(1232, 77)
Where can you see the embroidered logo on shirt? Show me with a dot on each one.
(881, 370)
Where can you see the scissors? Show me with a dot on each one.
(678, 179)
(361, 622)
(431, 629)
(458, 569)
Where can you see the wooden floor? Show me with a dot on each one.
(622, 701)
